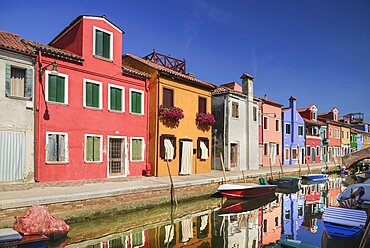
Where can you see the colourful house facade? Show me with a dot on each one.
(182, 142)
(354, 140)
(89, 106)
(293, 134)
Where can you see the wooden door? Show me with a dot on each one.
(233, 156)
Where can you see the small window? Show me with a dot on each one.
(265, 226)
(57, 88)
(286, 153)
(314, 116)
(300, 130)
(259, 117)
(277, 149)
(167, 147)
(136, 101)
(137, 149)
(330, 132)
(235, 109)
(294, 154)
(317, 151)
(93, 148)
(56, 147)
(254, 113)
(137, 239)
(17, 82)
(276, 221)
(300, 211)
(202, 105)
(103, 43)
(287, 214)
(93, 94)
(277, 125)
(308, 151)
(116, 98)
(167, 98)
(265, 123)
(287, 128)
(202, 148)
(265, 148)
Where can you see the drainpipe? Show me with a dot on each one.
(36, 99)
(157, 123)
(148, 168)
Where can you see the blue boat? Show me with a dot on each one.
(11, 238)
(314, 177)
(344, 223)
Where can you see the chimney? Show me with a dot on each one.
(247, 84)
(292, 103)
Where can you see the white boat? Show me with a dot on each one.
(244, 190)
(346, 194)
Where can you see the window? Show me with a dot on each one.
(317, 151)
(167, 146)
(265, 123)
(56, 88)
(56, 147)
(203, 148)
(337, 134)
(235, 109)
(103, 43)
(167, 98)
(314, 116)
(308, 151)
(17, 82)
(93, 94)
(137, 149)
(342, 133)
(136, 101)
(277, 125)
(277, 149)
(254, 113)
(265, 148)
(300, 130)
(347, 135)
(138, 239)
(276, 221)
(294, 154)
(202, 105)
(287, 214)
(286, 153)
(116, 98)
(93, 148)
(287, 128)
(259, 117)
(330, 132)
(265, 226)
(300, 211)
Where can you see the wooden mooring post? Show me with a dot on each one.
(173, 197)
(223, 167)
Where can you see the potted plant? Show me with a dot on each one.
(205, 120)
(170, 116)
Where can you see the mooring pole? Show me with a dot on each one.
(173, 198)
(223, 167)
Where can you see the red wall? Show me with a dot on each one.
(332, 140)
(313, 142)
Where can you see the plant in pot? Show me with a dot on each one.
(170, 116)
(204, 121)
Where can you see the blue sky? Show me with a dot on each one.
(318, 51)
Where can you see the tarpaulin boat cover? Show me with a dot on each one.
(38, 220)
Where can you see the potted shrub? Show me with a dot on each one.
(205, 121)
(170, 116)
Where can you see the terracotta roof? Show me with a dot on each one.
(172, 72)
(54, 51)
(134, 72)
(14, 43)
(269, 102)
(223, 90)
(319, 123)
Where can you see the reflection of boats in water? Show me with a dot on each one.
(287, 183)
(233, 206)
(314, 177)
(244, 190)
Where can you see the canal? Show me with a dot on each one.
(215, 222)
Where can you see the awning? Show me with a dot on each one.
(169, 149)
(204, 150)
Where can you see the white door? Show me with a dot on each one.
(186, 157)
(12, 153)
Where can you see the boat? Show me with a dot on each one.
(314, 177)
(344, 223)
(361, 177)
(11, 238)
(244, 190)
(234, 206)
(285, 182)
(365, 198)
(290, 243)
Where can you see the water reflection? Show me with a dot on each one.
(218, 223)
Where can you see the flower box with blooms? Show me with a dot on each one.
(173, 114)
(203, 119)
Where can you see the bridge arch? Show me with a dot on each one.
(355, 157)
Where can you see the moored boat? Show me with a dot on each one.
(344, 223)
(364, 199)
(234, 206)
(286, 182)
(314, 177)
(246, 190)
(11, 238)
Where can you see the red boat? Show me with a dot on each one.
(234, 206)
(246, 190)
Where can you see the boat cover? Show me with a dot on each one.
(242, 186)
(9, 234)
(345, 216)
(346, 194)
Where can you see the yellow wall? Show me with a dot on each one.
(344, 139)
(185, 97)
(366, 140)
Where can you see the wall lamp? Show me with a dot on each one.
(54, 70)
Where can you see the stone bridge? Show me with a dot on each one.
(354, 157)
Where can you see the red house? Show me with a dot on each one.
(92, 115)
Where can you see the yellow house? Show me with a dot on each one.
(345, 138)
(183, 142)
(366, 139)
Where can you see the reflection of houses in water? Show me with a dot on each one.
(335, 187)
(132, 240)
(271, 221)
(292, 215)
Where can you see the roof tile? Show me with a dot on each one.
(13, 42)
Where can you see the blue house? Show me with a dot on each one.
(293, 214)
(293, 134)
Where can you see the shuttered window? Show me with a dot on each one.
(18, 82)
(115, 99)
(235, 109)
(93, 148)
(57, 148)
(287, 128)
(56, 89)
(137, 149)
(202, 148)
(167, 97)
(162, 148)
(92, 95)
(202, 105)
(102, 44)
(254, 114)
(136, 102)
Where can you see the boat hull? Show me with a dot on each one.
(234, 206)
(315, 177)
(339, 232)
(27, 241)
(248, 193)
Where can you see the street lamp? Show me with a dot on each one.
(54, 70)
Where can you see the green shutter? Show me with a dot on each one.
(89, 148)
(28, 88)
(98, 43)
(138, 103)
(136, 149)
(106, 45)
(60, 89)
(113, 105)
(133, 102)
(89, 94)
(95, 95)
(96, 149)
(8, 72)
(52, 88)
(119, 100)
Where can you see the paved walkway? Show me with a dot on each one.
(15, 195)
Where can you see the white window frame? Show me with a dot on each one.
(142, 238)
(268, 148)
(301, 135)
(66, 148)
(286, 158)
(290, 129)
(142, 101)
(111, 43)
(142, 149)
(47, 73)
(318, 150)
(85, 80)
(255, 109)
(263, 124)
(101, 148)
(297, 154)
(123, 97)
(308, 148)
(259, 117)
(278, 126)
(330, 132)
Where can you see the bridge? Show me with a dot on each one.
(354, 157)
